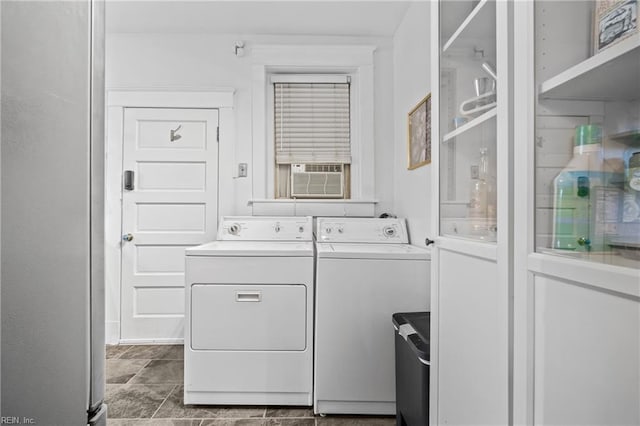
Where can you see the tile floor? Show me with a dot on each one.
(144, 387)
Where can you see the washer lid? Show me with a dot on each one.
(372, 251)
(253, 248)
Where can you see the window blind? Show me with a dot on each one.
(312, 123)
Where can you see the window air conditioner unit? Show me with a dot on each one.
(317, 181)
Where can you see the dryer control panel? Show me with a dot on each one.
(362, 230)
(259, 228)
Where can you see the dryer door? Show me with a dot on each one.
(248, 317)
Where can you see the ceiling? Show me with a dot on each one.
(301, 17)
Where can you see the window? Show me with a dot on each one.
(305, 64)
(312, 136)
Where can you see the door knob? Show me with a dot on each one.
(127, 237)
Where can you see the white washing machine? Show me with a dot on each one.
(365, 272)
(249, 314)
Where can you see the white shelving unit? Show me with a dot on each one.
(572, 309)
(610, 79)
(470, 303)
(467, 31)
(608, 84)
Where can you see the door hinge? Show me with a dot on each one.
(218, 134)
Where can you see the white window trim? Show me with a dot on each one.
(355, 61)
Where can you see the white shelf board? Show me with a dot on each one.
(630, 138)
(471, 124)
(590, 269)
(611, 75)
(478, 25)
(466, 245)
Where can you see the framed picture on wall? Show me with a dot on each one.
(615, 20)
(419, 134)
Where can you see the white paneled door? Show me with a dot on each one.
(169, 203)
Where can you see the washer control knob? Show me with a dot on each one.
(340, 230)
(301, 229)
(277, 227)
(389, 231)
(327, 230)
(234, 229)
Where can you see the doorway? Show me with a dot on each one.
(162, 184)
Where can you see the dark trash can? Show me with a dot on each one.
(412, 368)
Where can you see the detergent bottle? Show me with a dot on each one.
(586, 196)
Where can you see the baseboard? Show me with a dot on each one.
(112, 332)
(162, 341)
(112, 337)
(369, 408)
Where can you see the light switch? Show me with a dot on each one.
(242, 170)
(475, 173)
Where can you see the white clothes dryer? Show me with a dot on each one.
(249, 314)
(365, 272)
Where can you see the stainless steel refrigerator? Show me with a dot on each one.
(52, 290)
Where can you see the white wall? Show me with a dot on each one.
(411, 75)
(205, 62)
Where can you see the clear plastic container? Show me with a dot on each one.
(482, 202)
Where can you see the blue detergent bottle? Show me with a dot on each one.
(585, 196)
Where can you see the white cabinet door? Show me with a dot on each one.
(576, 308)
(473, 341)
(471, 271)
(172, 205)
(587, 355)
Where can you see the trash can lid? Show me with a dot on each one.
(420, 322)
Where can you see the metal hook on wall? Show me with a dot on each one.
(173, 135)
